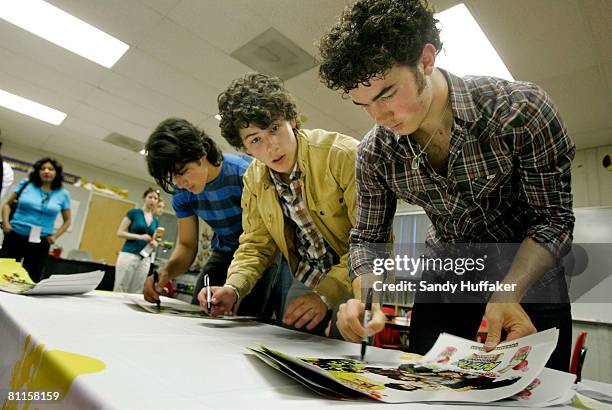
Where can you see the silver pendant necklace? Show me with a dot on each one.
(416, 159)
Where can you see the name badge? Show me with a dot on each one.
(35, 234)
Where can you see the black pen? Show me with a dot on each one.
(367, 315)
(155, 280)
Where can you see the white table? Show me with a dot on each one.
(142, 360)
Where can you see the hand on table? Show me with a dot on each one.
(305, 310)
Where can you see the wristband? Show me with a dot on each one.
(235, 291)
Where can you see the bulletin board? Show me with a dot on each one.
(99, 237)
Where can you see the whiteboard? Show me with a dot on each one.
(594, 225)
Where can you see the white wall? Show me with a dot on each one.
(135, 186)
(591, 182)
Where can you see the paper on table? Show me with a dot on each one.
(13, 277)
(454, 370)
(76, 283)
(179, 308)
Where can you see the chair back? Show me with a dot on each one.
(578, 356)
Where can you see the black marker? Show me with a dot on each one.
(155, 280)
(367, 315)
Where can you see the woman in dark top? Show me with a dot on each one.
(138, 229)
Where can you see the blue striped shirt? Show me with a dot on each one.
(219, 203)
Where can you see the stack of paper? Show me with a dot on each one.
(454, 370)
(15, 279)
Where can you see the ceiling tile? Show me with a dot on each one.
(529, 46)
(28, 69)
(22, 129)
(195, 56)
(146, 70)
(225, 24)
(583, 103)
(121, 108)
(41, 95)
(165, 105)
(303, 21)
(161, 6)
(109, 121)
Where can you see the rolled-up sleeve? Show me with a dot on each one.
(545, 156)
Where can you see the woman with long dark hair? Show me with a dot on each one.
(29, 232)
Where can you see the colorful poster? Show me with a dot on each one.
(454, 370)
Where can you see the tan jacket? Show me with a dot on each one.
(327, 162)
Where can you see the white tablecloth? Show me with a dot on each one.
(101, 351)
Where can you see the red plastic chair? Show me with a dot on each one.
(578, 356)
(387, 338)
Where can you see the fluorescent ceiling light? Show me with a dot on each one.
(466, 49)
(63, 29)
(31, 108)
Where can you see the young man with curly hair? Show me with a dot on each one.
(206, 184)
(488, 160)
(299, 199)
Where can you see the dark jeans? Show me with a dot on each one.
(265, 300)
(463, 319)
(34, 255)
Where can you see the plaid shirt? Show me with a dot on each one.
(508, 174)
(316, 256)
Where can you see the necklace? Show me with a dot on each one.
(416, 159)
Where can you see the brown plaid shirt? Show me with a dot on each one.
(508, 174)
(316, 256)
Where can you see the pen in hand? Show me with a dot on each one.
(367, 315)
(208, 295)
(155, 281)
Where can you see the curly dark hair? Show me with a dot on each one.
(256, 99)
(372, 36)
(174, 143)
(59, 176)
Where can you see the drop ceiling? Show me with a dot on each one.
(180, 60)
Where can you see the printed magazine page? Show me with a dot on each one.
(454, 370)
(175, 307)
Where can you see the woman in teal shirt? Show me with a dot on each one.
(30, 231)
(138, 229)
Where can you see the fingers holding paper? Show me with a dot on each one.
(511, 318)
